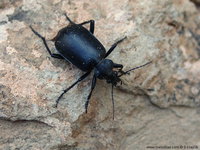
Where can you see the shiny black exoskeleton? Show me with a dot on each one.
(80, 47)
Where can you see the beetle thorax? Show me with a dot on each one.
(104, 70)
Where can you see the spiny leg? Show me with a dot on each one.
(58, 56)
(89, 96)
(92, 24)
(66, 90)
(113, 47)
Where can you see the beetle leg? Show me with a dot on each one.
(58, 56)
(113, 47)
(68, 19)
(45, 44)
(92, 24)
(66, 90)
(92, 88)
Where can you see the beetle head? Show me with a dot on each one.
(104, 70)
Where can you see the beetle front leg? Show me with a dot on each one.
(58, 56)
(89, 96)
(92, 24)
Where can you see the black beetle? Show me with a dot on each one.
(80, 47)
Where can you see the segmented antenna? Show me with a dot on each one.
(113, 104)
(126, 72)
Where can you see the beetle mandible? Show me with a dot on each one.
(79, 46)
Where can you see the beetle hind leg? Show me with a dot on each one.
(58, 56)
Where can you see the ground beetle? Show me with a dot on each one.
(80, 47)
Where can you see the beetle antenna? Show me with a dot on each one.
(113, 104)
(126, 72)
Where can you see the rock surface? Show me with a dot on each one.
(157, 105)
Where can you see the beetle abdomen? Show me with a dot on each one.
(80, 47)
